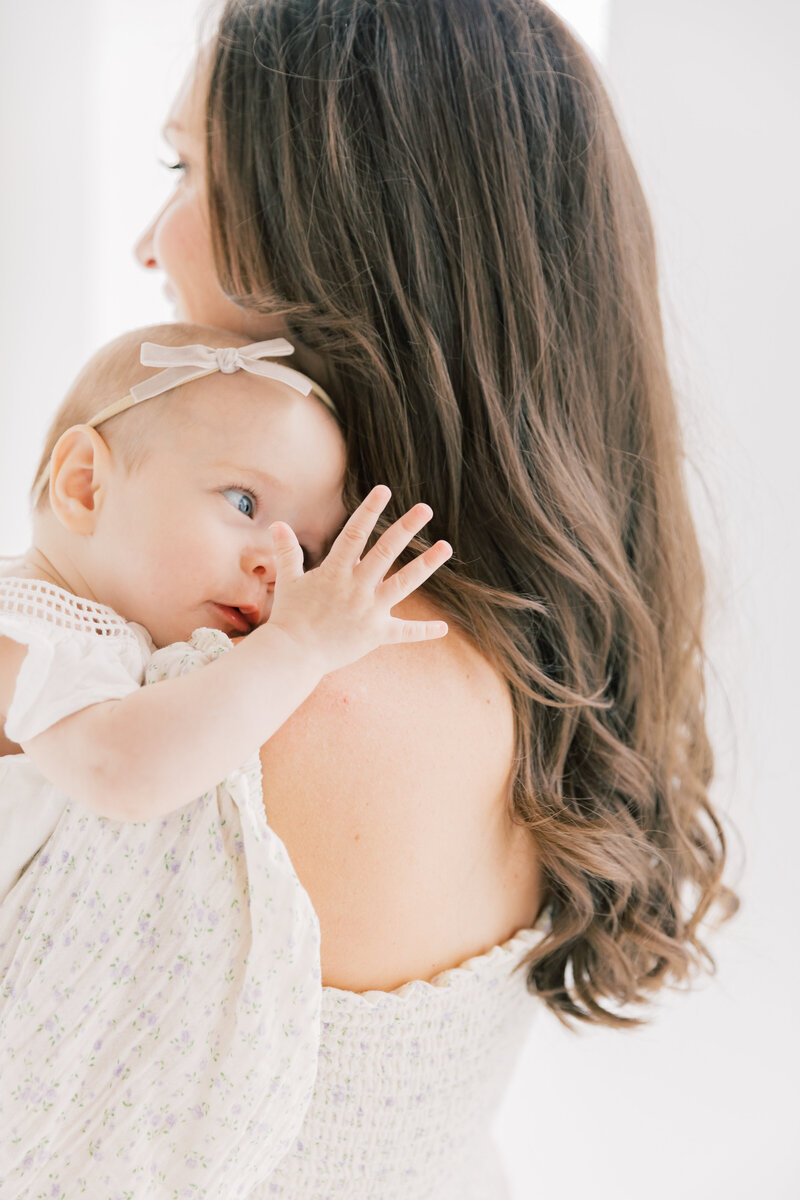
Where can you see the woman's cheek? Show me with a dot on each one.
(173, 244)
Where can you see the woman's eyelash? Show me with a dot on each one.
(173, 166)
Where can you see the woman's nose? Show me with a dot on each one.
(144, 249)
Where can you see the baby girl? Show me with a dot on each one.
(182, 487)
(185, 512)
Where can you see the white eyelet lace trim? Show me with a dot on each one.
(42, 601)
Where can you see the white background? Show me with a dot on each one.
(702, 1103)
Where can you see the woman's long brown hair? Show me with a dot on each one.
(438, 197)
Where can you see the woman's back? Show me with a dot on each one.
(390, 789)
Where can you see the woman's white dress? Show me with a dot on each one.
(163, 1030)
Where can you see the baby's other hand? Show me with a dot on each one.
(341, 610)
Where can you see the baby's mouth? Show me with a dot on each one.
(241, 620)
(251, 613)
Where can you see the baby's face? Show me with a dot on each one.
(182, 540)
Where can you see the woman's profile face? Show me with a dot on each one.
(178, 239)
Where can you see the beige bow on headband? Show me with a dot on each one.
(186, 363)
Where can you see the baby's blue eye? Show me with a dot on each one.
(244, 501)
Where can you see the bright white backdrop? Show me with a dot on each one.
(701, 1104)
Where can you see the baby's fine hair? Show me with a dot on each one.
(109, 375)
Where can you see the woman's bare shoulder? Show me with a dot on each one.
(389, 788)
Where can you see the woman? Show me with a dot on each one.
(434, 202)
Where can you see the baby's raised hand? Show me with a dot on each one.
(341, 610)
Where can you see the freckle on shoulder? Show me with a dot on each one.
(444, 680)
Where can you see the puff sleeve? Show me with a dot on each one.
(66, 670)
(77, 654)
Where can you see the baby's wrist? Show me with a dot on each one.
(279, 648)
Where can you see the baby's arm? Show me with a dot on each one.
(11, 658)
(7, 746)
(161, 747)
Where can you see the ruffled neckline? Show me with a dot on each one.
(500, 960)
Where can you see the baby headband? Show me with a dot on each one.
(186, 363)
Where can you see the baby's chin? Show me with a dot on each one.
(169, 633)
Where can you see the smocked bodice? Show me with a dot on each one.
(407, 1085)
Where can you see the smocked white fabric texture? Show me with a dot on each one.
(159, 981)
(408, 1084)
(163, 1031)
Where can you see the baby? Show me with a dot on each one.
(169, 501)
(160, 985)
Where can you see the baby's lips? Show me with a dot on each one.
(251, 613)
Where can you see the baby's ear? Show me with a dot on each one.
(80, 466)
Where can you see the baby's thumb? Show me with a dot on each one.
(288, 552)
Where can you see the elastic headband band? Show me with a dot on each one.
(184, 364)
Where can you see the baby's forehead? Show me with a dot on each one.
(261, 425)
(238, 401)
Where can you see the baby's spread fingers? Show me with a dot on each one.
(393, 542)
(347, 548)
(288, 552)
(417, 631)
(413, 574)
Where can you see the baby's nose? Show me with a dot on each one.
(259, 560)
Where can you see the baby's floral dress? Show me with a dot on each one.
(159, 980)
